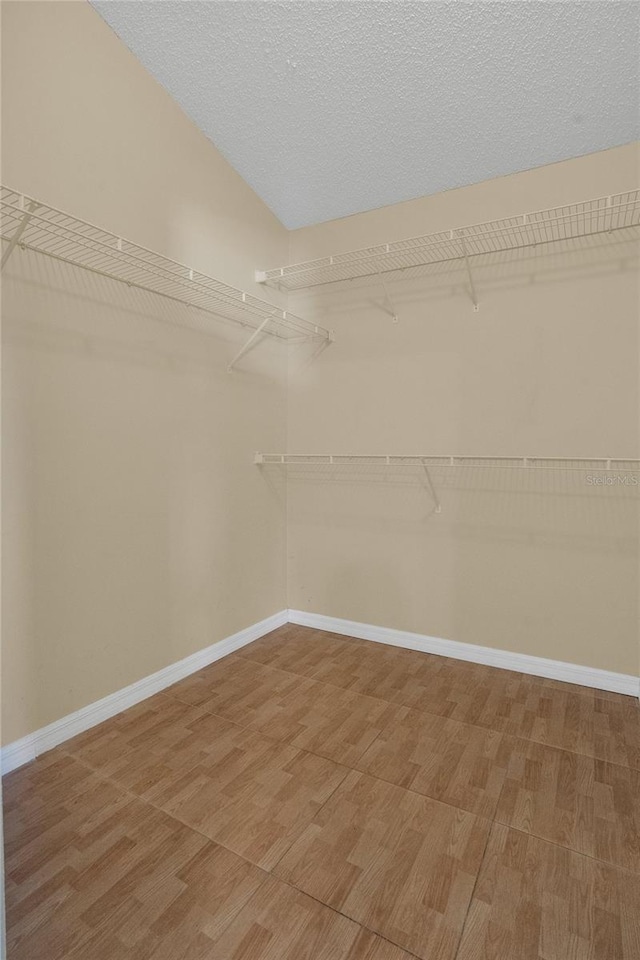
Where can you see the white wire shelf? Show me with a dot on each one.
(33, 225)
(606, 464)
(585, 219)
(614, 467)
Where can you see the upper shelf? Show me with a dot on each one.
(603, 215)
(34, 225)
(613, 469)
(593, 464)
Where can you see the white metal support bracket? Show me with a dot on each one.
(390, 304)
(254, 336)
(15, 239)
(472, 286)
(432, 488)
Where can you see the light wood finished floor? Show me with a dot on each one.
(315, 797)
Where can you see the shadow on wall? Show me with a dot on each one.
(584, 257)
(538, 562)
(101, 316)
(509, 557)
(554, 507)
(134, 521)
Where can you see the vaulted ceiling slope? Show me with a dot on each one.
(331, 108)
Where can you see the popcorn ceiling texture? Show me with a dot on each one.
(331, 108)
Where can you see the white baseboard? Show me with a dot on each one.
(28, 748)
(505, 659)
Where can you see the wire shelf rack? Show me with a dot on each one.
(595, 464)
(587, 218)
(33, 225)
(619, 471)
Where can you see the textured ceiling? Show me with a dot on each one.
(330, 108)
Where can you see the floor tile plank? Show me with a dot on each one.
(328, 721)
(143, 745)
(251, 794)
(400, 864)
(450, 761)
(281, 923)
(577, 801)
(237, 689)
(325, 798)
(299, 650)
(608, 729)
(375, 669)
(538, 901)
(96, 866)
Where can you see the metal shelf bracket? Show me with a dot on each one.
(472, 286)
(15, 239)
(434, 495)
(390, 305)
(252, 339)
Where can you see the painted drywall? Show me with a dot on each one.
(330, 108)
(545, 565)
(135, 531)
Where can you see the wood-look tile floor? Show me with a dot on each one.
(316, 797)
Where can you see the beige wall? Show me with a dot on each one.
(547, 367)
(135, 529)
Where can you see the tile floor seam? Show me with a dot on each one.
(346, 916)
(311, 753)
(595, 690)
(269, 736)
(244, 656)
(170, 816)
(268, 873)
(428, 796)
(622, 877)
(411, 951)
(417, 793)
(338, 763)
(562, 846)
(555, 843)
(301, 676)
(173, 816)
(475, 884)
(217, 716)
(477, 726)
(315, 814)
(491, 820)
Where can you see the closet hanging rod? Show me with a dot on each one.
(30, 224)
(596, 464)
(570, 222)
